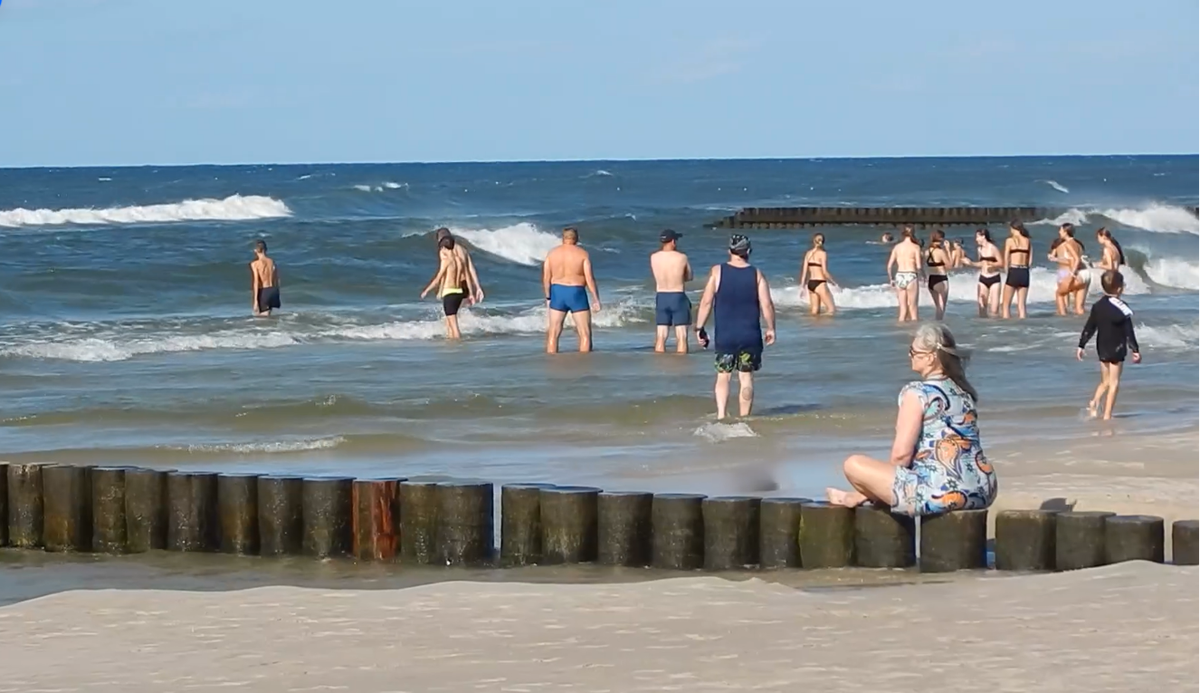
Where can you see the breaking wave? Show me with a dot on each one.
(232, 208)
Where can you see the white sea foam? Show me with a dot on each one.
(118, 347)
(268, 447)
(718, 432)
(1156, 218)
(522, 243)
(1057, 186)
(1173, 271)
(1168, 337)
(231, 208)
(394, 186)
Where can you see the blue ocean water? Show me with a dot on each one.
(125, 333)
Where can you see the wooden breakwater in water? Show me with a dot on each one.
(798, 217)
(428, 521)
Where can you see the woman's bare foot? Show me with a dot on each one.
(849, 499)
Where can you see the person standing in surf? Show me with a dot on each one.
(1017, 249)
(672, 309)
(1068, 254)
(464, 259)
(939, 262)
(264, 282)
(990, 263)
(1111, 321)
(736, 294)
(1111, 255)
(566, 271)
(906, 260)
(815, 277)
(453, 285)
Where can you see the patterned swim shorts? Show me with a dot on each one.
(743, 361)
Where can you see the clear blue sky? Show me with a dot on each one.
(108, 82)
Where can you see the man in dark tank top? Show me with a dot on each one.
(737, 295)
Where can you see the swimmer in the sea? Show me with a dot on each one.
(906, 259)
(1017, 249)
(464, 259)
(1111, 321)
(989, 264)
(816, 279)
(887, 238)
(939, 262)
(452, 283)
(672, 308)
(566, 280)
(264, 282)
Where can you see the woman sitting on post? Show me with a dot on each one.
(937, 463)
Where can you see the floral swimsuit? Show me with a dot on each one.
(949, 470)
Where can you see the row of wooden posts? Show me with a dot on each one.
(120, 510)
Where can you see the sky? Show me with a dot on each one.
(127, 82)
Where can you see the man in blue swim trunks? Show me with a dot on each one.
(566, 271)
(671, 305)
(736, 294)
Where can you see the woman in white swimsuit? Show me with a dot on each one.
(906, 259)
(1065, 252)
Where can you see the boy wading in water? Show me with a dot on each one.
(452, 282)
(264, 282)
(1111, 321)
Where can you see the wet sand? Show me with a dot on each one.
(1118, 628)
(1147, 475)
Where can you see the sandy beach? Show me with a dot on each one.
(1118, 628)
(179, 622)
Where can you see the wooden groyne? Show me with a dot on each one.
(435, 522)
(798, 217)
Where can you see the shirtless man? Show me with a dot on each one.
(565, 272)
(671, 305)
(264, 282)
(464, 259)
(906, 259)
(453, 283)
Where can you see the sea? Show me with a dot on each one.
(126, 334)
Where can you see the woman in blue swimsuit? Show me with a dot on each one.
(937, 463)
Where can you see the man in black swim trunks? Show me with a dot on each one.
(264, 282)
(452, 282)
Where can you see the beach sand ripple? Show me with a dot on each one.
(1120, 628)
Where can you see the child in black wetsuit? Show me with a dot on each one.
(1112, 323)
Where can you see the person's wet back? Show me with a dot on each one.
(672, 308)
(264, 282)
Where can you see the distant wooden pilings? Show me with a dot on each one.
(117, 510)
(798, 217)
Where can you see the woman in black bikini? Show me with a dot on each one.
(938, 262)
(989, 265)
(814, 275)
(1016, 262)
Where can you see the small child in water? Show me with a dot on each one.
(1111, 321)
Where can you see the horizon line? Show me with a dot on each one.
(597, 161)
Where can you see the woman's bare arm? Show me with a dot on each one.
(908, 429)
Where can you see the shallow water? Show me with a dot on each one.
(125, 335)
